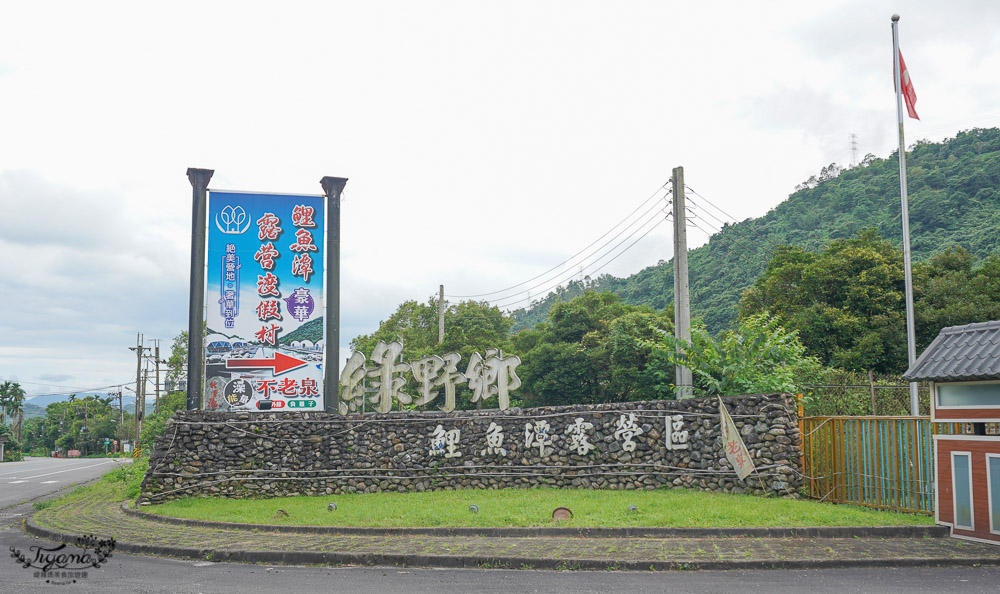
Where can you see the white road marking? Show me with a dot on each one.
(16, 482)
(49, 482)
(13, 468)
(71, 469)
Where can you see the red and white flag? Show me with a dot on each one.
(909, 94)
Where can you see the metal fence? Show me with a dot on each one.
(878, 462)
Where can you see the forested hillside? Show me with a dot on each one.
(954, 191)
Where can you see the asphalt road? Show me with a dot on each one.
(139, 574)
(132, 574)
(35, 478)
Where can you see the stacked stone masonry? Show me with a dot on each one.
(634, 445)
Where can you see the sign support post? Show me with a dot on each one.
(332, 189)
(199, 179)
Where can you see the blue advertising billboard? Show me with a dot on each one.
(265, 343)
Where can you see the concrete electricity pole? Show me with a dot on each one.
(139, 384)
(142, 403)
(440, 314)
(682, 301)
(156, 354)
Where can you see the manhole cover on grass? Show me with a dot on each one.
(561, 514)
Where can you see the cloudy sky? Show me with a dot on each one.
(485, 142)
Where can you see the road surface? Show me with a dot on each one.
(42, 477)
(38, 477)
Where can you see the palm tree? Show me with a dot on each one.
(17, 408)
(5, 389)
(12, 403)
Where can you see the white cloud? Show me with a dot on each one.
(485, 143)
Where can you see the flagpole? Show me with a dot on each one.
(911, 347)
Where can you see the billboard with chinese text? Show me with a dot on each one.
(265, 342)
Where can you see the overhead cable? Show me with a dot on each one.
(735, 221)
(647, 232)
(643, 203)
(644, 218)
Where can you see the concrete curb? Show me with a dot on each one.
(497, 562)
(631, 532)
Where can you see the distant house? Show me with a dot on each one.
(963, 366)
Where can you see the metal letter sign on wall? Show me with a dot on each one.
(265, 346)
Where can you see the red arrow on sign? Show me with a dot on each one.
(281, 363)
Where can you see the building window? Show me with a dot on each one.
(972, 394)
(993, 490)
(961, 473)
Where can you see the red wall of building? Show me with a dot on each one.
(979, 446)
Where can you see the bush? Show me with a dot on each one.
(130, 476)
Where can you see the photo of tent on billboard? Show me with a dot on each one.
(265, 341)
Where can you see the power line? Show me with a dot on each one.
(643, 203)
(74, 390)
(562, 275)
(731, 217)
(568, 275)
(732, 241)
(732, 228)
(660, 222)
(648, 231)
(732, 244)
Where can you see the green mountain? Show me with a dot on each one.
(954, 198)
(31, 411)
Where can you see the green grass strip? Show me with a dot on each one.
(119, 484)
(533, 507)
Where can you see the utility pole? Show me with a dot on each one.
(853, 145)
(139, 385)
(142, 407)
(682, 301)
(156, 354)
(440, 314)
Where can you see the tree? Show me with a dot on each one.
(12, 404)
(79, 424)
(759, 356)
(156, 424)
(177, 363)
(470, 326)
(952, 290)
(847, 302)
(12, 449)
(590, 351)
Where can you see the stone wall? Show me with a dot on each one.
(635, 445)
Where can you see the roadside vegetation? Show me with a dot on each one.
(120, 484)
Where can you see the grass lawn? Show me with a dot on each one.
(533, 507)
